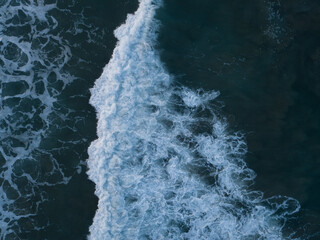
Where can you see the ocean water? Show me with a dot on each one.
(181, 120)
(51, 54)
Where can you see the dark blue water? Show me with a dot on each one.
(173, 160)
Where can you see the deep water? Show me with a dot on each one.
(263, 57)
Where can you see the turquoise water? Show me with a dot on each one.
(183, 150)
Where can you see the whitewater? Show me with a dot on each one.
(165, 163)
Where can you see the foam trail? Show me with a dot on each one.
(164, 164)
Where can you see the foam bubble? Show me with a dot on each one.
(164, 164)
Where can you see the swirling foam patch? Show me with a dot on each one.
(33, 74)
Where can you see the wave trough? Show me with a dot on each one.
(164, 164)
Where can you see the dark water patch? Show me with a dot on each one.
(14, 88)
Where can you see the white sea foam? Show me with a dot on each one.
(164, 164)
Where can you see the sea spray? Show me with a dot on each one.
(165, 164)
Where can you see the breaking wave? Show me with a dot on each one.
(165, 164)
